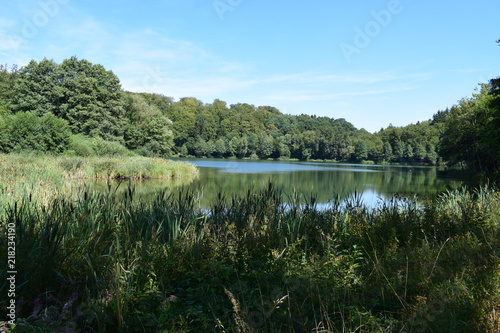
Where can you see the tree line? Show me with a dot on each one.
(76, 107)
(80, 108)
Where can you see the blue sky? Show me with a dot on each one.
(371, 62)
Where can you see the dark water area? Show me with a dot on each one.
(323, 181)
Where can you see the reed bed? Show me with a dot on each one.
(259, 262)
(45, 177)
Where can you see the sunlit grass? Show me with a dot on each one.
(45, 177)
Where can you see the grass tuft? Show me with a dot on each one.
(257, 262)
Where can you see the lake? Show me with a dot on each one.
(323, 180)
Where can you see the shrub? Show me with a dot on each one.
(27, 131)
(109, 148)
(81, 146)
(5, 141)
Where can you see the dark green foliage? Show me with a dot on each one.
(84, 94)
(148, 131)
(5, 141)
(92, 102)
(7, 79)
(414, 143)
(387, 152)
(471, 133)
(27, 131)
(243, 130)
(440, 116)
(37, 88)
(360, 151)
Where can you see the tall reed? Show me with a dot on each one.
(46, 177)
(262, 261)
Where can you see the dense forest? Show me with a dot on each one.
(79, 108)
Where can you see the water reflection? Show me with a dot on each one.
(324, 181)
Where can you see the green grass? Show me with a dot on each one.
(45, 176)
(258, 262)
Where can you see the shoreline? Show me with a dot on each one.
(43, 176)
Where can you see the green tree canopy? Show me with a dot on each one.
(38, 88)
(8, 76)
(148, 130)
(86, 95)
(470, 135)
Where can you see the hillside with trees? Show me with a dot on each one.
(79, 108)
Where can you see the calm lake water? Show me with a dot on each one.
(323, 180)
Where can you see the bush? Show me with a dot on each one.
(109, 148)
(5, 142)
(27, 131)
(86, 147)
(81, 146)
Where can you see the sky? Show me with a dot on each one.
(372, 62)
